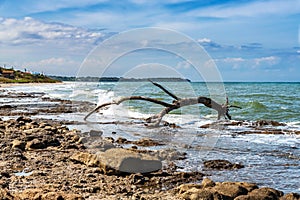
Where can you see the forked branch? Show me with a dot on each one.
(222, 109)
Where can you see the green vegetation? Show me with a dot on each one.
(116, 79)
(16, 76)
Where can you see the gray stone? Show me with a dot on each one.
(124, 160)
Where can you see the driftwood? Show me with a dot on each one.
(222, 109)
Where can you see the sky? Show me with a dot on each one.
(248, 40)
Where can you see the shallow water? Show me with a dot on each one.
(270, 160)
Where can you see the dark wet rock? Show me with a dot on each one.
(268, 123)
(146, 142)
(46, 105)
(7, 107)
(221, 165)
(95, 133)
(222, 124)
(256, 127)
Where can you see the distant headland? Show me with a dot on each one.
(117, 79)
(17, 76)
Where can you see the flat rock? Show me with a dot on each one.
(124, 160)
(118, 160)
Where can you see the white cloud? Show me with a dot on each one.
(234, 60)
(236, 63)
(239, 62)
(270, 60)
(54, 65)
(204, 40)
(183, 65)
(29, 30)
(51, 62)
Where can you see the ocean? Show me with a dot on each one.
(271, 160)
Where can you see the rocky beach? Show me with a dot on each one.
(45, 159)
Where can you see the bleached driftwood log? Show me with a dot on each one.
(222, 109)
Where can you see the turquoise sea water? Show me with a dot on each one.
(268, 101)
(270, 160)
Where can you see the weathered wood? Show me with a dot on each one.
(165, 90)
(117, 102)
(222, 109)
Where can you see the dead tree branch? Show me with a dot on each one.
(222, 109)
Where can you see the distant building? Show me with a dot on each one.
(6, 73)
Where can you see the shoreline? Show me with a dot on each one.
(39, 150)
(8, 85)
(43, 159)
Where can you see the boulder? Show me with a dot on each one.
(290, 196)
(262, 194)
(209, 190)
(95, 133)
(221, 165)
(230, 189)
(204, 194)
(118, 160)
(124, 160)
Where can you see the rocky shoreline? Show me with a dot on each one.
(43, 159)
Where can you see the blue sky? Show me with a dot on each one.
(249, 40)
